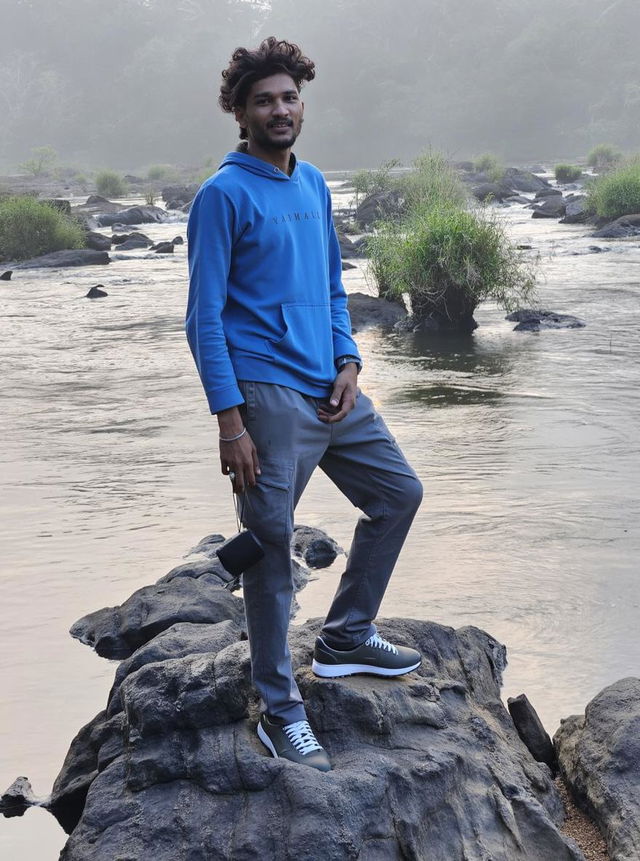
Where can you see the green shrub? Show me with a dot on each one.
(29, 228)
(491, 165)
(617, 192)
(110, 184)
(447, 260)
(42, 162)
(604, 157)
(150, 197)
(433, 183)
(366, 182)
(164, 172)
(567, 172)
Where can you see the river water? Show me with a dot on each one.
(527, 445)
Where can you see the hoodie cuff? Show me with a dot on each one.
(224, 399)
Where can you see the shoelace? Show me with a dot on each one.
(378, 643)
(301, 737)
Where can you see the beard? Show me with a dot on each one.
(266, 141)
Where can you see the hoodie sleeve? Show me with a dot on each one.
(210, 231)
(343, 343)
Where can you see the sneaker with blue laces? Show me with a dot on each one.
(293, 741)
(376, 656)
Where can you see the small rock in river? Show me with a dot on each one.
(6, 276)
(178, 240)
(530, 320)
(96, 292)
(163, 248)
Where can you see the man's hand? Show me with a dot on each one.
(239, 456)
(343, 396)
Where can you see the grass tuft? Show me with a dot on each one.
(29, 227)
(617, 192)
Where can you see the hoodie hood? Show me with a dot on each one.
(259, 167)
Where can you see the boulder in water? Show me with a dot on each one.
(533, 320)
(98, 241)
(97, 292)
(6, 276)
(69, 257)
(599, 756)
(553, 207)
(366, 310)
(622, 228)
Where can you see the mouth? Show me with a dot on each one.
(281, 125)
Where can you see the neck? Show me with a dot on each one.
(279, 158)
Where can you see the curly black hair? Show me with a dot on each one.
(246, 67)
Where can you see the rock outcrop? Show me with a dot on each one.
(599, 756)
(425, 766)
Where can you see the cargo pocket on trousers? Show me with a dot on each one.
(268, 507)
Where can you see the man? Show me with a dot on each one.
(269, 329)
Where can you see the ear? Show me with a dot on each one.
(240, 115)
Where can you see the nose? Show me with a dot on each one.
(280, 108)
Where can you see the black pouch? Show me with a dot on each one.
(241, 551)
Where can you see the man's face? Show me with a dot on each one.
(273, 112)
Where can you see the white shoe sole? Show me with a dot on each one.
(333, 671)
(266, 741)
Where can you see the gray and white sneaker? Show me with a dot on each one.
(376, 656)
(293, 741)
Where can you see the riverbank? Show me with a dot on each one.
(525, 443)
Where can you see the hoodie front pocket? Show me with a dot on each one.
(307, 341)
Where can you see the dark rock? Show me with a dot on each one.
(314, 546)
(381, 204)
(621, 228)
(524, 180)
(99, 200)
(163, 248)
(178, 240)
(547, 192)
(96, 292)
(488, 191)
(516, 198)
(59, 259)
(176, 196)
(367, 310)
(599, 755)
(94, 747)
(524, 247)
(116, 632)
(532, 732)
(178, 641)
(349, 248)
(133, 243)
(119, 238)
(6, 276)
(346, 266)
(532, 320)
(18, 798)
(56, 203)
(428, 766)
(133, 215)
(576, 212)
(437, 322)
(98, 241)
(553, 207)
(208, 545)
(466, 166)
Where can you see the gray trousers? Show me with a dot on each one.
(362, 458)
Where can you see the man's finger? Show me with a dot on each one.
(336, 394)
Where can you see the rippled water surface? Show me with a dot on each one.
(527, 445)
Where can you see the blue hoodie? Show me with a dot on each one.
(266, 301)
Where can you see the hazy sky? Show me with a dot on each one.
(130, 83)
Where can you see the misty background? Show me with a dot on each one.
(126, 83)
